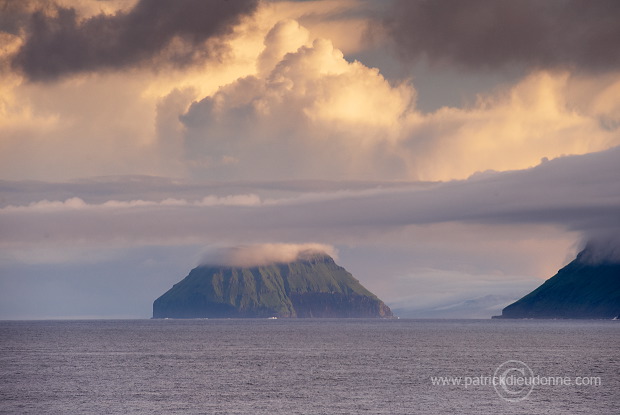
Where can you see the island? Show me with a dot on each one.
(310, 286)
(586, 288)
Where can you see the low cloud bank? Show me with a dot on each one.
(578, 193)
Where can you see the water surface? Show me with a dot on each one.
(301, 366)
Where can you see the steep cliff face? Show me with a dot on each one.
(585, 288)
(313, 287)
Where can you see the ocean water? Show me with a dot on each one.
(308, 367)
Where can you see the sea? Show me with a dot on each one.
(310, 366)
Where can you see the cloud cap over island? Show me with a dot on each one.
(264, 254)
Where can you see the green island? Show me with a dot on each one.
(312, 287)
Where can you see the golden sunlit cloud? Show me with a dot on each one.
(514, 129)
(284, 100)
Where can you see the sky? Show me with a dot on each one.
(441, 151)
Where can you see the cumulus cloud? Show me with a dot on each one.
(308, 106)
(345, 22)
(566, 34)
(74, 128)
(61, 42)
(289, 105)
(264, 254)
(285, 37)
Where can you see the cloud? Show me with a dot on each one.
(555, 34)
(62, 43)
(285, 37)
(308, 106)
(287, 104)
(74, 128)
(264, 254)
(578, 193)
(344, 22)
(513, 128)
(601, 246)
(304, 108)
(75, 203)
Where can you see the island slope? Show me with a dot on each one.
(311, 287)
(586, 288)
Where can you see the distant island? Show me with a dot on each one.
(313, 285)
(587, 288)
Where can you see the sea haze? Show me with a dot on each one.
(303, 366)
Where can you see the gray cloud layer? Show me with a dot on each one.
(579, 193)
(578, 34)
(62, 44)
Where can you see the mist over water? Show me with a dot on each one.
(300, 366)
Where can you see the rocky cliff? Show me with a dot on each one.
(311, 287)
(588, 287)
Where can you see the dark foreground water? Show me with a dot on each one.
(307, 367)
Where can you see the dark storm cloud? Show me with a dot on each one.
(14, 15)
(61, 44)
(578, 34)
